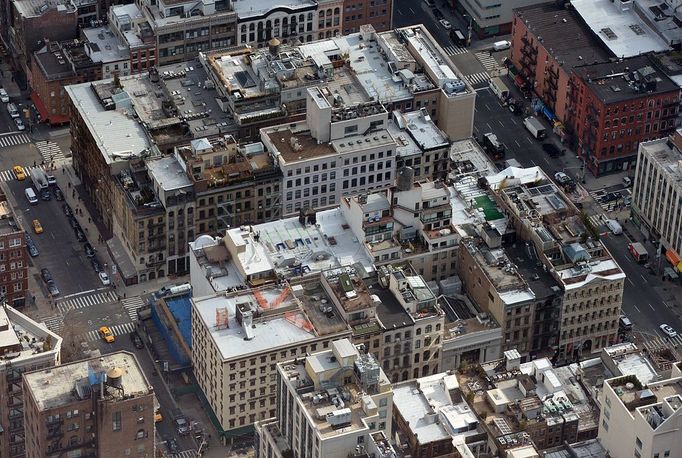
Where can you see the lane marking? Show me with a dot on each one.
(652, 307)
(637, 308)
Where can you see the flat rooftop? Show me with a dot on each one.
(564, 33)
(635, 396)
(423, 130)
(128, 14)
(526, 260)
(620, 29)
(104, 46)
(56, 387)
(349, 289)
(117, 134)
(666, 156)
(253, 8)
(277, 321)
(637, 77)
(8, 224)
(22, 339)
(464, 318)
(168, 172)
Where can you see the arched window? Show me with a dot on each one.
(243, 28)
(252, 27)
(321, 14)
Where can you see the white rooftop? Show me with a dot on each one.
(422, 129)
(128, 13)
(514, 176)
(250, 8)
(576, 277)
(514, 297)
(268, 333)
(124, 136)
(104, 46)
(168, 172)
(619, 28)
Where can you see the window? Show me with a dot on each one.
(140, 434)
(116, 421)
(638, 442)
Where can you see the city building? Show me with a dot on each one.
(26, 346)
(332, 403)
(287, 21)
(545, 59)
(14, 257)
(356, 13)
(639, 418)
(657, 192)
(102, 406)
(420, 144)
(183, 29)
(135, 32)
(55, 66)
(488, 18)
(106, 48)
(621, 104)
(238, 337)
(433, 419)
(527, 404)
(630, 28)
(558, 243)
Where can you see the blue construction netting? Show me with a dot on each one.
(180, 307)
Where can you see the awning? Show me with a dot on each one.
(44, 114)
(672, 257)
(679, 267)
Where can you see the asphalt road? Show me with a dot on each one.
(411, 12)
(60, 252)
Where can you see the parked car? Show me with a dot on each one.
(668, 330)
(446, 24)
(52, 288)
(89, 250)
(95, 264)
(137, 340)
(51, 180)
(4, 97)
(20, 124)
(438, 14)
(80, 236)
(552, 149)
(67, 210)
(32, 249)
(58, 194)
(180, 423)
(46, 275)
(106, 334)
(45, 194)
(104, 278)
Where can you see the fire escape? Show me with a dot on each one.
(570, 121)
(529, 61)
(15, 402)
(551, 84)
(589, 136)
(228, 213)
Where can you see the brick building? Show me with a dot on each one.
(619, 105)
(13, 257)
(100, 407)
(378, 13)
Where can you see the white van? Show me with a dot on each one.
(501, 45)
(12, 110)
(31, 196)
(627, 182)
(614, 226)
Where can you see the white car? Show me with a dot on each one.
(19, 123)
(104, 278)
(668, 330)
(446, 24)
(561, 177)
(4, 98)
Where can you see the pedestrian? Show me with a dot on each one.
(34, 164)
(89, 220)
(69, 185)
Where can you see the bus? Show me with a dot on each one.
(499, 88)
(458, 37)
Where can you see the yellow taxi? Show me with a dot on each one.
(106, 334)
(19, 172)
(37, 227)
(157, 416)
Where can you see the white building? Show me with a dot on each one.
(642, 420)
(330, 404)
(238, 337)
(259, 22)
(657, 193)
(492, 17)
(104, 46)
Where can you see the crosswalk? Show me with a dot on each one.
(454, 50)
(606, 206)
(185, 454)
(8, 175)
(488, 61)
(132, 305)
(597, 220)
(117, 330)
(88, 300)
(659, 343)
(14, 138)
(54, 323)
(477, 79)
(50, 151)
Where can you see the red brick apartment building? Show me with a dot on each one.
(379, 13)
(13, 257)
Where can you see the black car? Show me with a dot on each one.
(80, 236)
(46, 275)
(612, 197)
(551, 149)
(95, 264)
(32, 249)
(45, 194)
(52, 288)
(67, 210)
(58, 194)
(137, 340)
(438, 14)
(89, 250)
(74, 224)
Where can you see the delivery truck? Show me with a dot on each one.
(638, 252)
(535, 127)
(39, 179)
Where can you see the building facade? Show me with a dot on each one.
(14, 258)
(378, 13)
(102, 406)
(491, 17)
